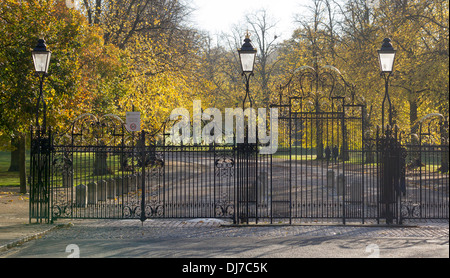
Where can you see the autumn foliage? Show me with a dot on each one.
(112, 56)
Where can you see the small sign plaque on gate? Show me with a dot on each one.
(133, 121)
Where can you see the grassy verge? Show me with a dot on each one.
(9, 178)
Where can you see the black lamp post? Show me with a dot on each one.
(387, 58)
(39, 185)
(246, 152)
(391, 154)
(247, 56)
(41, 59)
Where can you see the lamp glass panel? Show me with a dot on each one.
(387, 61)
(247, 61)
(41, 61)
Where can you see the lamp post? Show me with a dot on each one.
(39, 157)
(389, 146)
(41, 59)
(247, 57)
(387, 58)
(246, 153)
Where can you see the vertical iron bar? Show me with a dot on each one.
(363, 163)
(143, 161)
(420, 170)
(32, 163)
(290, 160)
(214, 173)
(343, 162)
(271, 189)
(256, 179)
(235, 187)
(379, 174)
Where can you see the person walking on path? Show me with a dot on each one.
(335, 153)
(327, 153)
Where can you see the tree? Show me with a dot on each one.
(70, 86)
(420, 32)
(317, 37)
(163, 54)
(223, 66)
(261, 26)
(22, 22)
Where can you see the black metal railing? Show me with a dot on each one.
(338, 173)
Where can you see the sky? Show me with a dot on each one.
(216, 16)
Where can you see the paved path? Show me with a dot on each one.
(208, 238)
(212, 238)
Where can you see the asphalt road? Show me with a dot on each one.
(249, 247)
(208, 239)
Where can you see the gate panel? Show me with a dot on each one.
(224, 181)
(318, 170)
(96, 171)
(141, 179)
(40, 165)
(199, 181)
(280, 170)
(424, 188)
(316, 144)
(356, 189)
(424, 182)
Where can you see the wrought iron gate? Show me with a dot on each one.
(328, 166)
(99, 170)
(319, 165)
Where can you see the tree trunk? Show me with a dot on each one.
(14, 165)
(100, 161)
(416, 155)
(369, 145)
(413, 107)
(319, 132)
(370, 154)
(345, 156)
(22, 163)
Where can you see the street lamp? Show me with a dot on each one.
(246, 152)
(387, 58)
(390, 156)
(247, 56)
(41, 59)
(39, 186)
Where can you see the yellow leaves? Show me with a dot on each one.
(8, 197)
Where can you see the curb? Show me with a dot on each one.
(23, 240)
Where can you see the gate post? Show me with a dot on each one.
(247, 161)
(40, 157)
(389, 167)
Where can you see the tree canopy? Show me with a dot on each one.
(110, 56)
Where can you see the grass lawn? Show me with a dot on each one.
(9, 178)
(83, 165)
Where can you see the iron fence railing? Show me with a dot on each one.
(345, 176)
